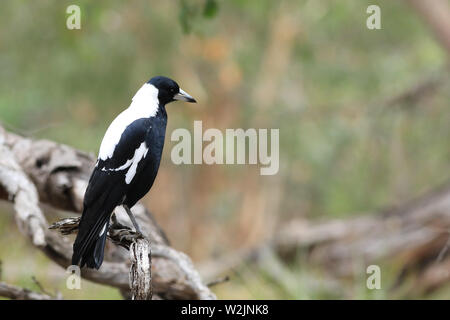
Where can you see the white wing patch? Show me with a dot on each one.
(103, 230)
(139, 154)
(144, 104)
(122, 167)
(132, 163)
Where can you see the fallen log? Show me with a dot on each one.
(414, 237)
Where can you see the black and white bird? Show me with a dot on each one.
(127, 165)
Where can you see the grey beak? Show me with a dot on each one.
(183, 96)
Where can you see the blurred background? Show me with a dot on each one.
(363, 116)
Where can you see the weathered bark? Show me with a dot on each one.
(33, 171)
(140, 270)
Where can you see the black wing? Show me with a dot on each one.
(106, 190)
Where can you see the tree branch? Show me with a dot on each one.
(17, 293)
(415, 235)
(58, 175)
(140, 270)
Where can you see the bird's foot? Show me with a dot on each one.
(130, 236)
(124, 237)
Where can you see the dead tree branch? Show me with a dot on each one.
(140, 270)
(41, 170)
(123, 236)
(413, 236)
(17, 293)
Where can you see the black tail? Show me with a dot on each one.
(103, 194)
(89, 245)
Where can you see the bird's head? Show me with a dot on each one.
(168, 90)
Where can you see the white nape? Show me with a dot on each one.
(144, 104)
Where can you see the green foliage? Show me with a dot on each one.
(189, 13)
(210, 9)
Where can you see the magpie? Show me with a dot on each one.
(127, 165)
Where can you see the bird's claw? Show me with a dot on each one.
(130, 236)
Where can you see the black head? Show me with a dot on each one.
(168, 90)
